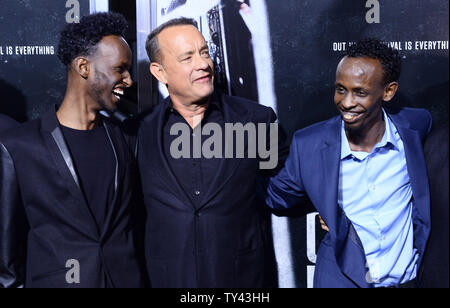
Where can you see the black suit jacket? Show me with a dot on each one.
(45, 221)
(435, 273)
(6, 123)
(219, 244)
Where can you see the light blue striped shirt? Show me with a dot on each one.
(375, 194)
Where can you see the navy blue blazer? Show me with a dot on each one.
(6, 123)
(311, 173)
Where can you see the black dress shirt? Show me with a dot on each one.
(194, 174)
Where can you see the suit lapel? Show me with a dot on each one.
(60, 153)
(155, 158)
(119, 171)
(331, 162)
(416, 166)
(349, 251)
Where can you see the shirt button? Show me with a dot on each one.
(197, 193)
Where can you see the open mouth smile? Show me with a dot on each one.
(118, 93)
(351, 117)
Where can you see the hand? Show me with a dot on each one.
(323, 225)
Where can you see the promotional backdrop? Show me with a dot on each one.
(32, 79)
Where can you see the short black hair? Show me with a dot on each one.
(152, 44)
(390, 59)
(81, 39)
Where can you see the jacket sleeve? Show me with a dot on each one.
(286, 190)
(13, 226)
(276, 140)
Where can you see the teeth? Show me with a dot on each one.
(349, 116)
(118, 91)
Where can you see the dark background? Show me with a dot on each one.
(30, 85)
(305, 64)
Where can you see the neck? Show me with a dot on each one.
(193, 113)
(77, 112)
(366, 139)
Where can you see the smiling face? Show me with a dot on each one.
(186, 66)
(109, 71)
(360, 92)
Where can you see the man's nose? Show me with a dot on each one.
(201, 63)
(127, 79)
(348, 102)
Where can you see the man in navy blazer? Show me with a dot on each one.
(205, 226)
(365, 173)
(6, 122)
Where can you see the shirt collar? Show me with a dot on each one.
(390, 136)
(213, 104)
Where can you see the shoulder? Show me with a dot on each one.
(23, 135)
(417, 118)
(316, 132)
(259, 112)
(6, 123)
(406, 111)
(151, 116)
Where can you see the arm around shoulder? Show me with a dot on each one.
(286, 189)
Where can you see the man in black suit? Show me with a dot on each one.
(204, 226)
(435, 261)
(6, 122)
(69, 193)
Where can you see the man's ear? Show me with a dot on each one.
(389, 91)
(81, 66)
(158, 72)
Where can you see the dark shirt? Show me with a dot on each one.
(194, 174)
(95, 163)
